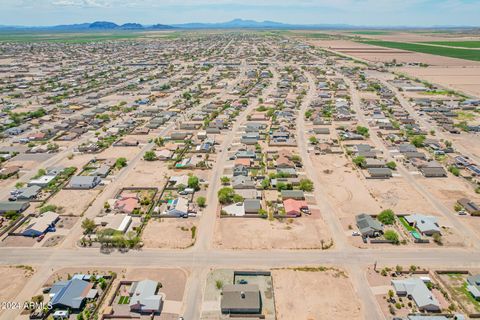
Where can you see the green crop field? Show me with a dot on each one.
(460, 44)
(439, 51)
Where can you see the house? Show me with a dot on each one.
(70, 294)
(177, 207)
(42, 181)
(9, 171)
(473, 286)
(240, 170)
(163, 154)
(295, 207)
(380, 173)
(177, 181)
(293, 194)
(41, 225)
(235, 209)
(470, 206)
(27, 193)
(127, 203)
(144, 297)
(246, 155)
(17, 206)
(242, 182)
(433, 169)
(84, 182)
(368, 226)
(115, 221)
(101, 171)
(241, 299)
(416, 289)
(427, 225)
(252, 206)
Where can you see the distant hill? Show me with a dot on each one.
(94, 26)
(233, 24)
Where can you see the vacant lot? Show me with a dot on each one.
(457, 78)
(252, 233)
(297, 295)
(16, 277)
(169, 233)
(73, 202)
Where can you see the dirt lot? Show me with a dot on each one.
(148, 173)
(457, 78)
(73, 202)
(171, 233)
(16, 277)
(297, 295)
(252, 233)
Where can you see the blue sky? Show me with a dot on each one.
(356, 12)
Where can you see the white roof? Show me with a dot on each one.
(42, 222)
(423, 223)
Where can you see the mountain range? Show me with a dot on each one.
(233, 24)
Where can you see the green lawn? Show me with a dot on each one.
(460, 44)
(406, 225)
(439, 51)
(124, 300)
(463, 289)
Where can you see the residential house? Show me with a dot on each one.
(84, 182)
(144, 298)
(71, 294)
(41, 225)
(241, 299)
(295, 208)
(368, 226)
(417, 290)
(177, 207)
(427, 225)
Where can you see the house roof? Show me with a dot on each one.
(419, 292)
(294, 206)
(241, 296)
(292, 194)
(70, 293)
(425, 224)
(367, 224)
(143, 295)
(43, 222)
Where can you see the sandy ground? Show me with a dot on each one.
(457, 78)
(169, 233)
(382, 54)
(148, 174)
(297, 295)
(73, 202)
(16, 277)
(117, 152)
(253, 233)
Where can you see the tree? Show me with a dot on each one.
(391, 165)
(418, 140)
(149, 156)
(120, 163)
(387, 217)
(306, 185)
(437, 238)
(201, 201)
(391, 235)
(193, 182)
(225, 195)
(359, 161)
(88, 226)
(225, 180)
(454, 170)
(362, 131)
(313, 140)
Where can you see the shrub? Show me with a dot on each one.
(201, 201)
(391, 165)
(387, 217)
(391, 235)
